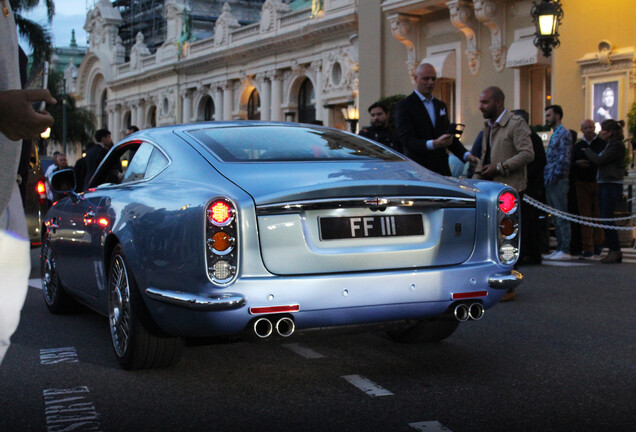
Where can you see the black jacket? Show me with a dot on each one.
(415, 128)
(383, 135)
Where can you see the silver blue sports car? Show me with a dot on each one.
(262, 228)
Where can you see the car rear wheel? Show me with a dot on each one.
(56, 299)
(137, 341)
(423, 331)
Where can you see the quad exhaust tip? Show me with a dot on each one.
(264, 327)
(464, 312)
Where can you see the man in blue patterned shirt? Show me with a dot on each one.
(556, 179)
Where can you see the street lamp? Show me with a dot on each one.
(351, 115)
(547, 17)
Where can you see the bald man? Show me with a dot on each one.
(422, 122)
(584, 176)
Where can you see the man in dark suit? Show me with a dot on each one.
(96, 153)
(422, 123)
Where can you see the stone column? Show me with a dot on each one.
(276, 96)
(266, 104)
(111, 121)
(187, 106)
(228, 93)
(218, 103)
(316, 67)
(116, 130)
(139, 116)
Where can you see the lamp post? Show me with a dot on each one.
(64, 125)
(547, 17)
(351, 115)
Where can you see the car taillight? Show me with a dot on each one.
(220, 213)
(221, 234)
(508, 227)
(40, 188)
(507, 202)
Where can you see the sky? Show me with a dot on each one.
(69, 14)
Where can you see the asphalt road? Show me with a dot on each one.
(562, 357)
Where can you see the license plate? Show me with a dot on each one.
(333, 228)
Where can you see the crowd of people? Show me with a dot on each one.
(508, 151)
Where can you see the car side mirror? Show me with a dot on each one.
(63, 181)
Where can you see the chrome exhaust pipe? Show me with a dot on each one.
(263, 328)
(461, 312)
(476, 311)
(285, 326)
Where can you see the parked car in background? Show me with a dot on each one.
(263, 228)
(35, 197)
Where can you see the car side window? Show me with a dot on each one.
(137, 167)
(156, 163)
(114, 168)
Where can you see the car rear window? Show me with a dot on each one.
(289, 143)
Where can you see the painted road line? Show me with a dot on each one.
(367, 386)
(429, 426)
(566, 263)
(58, 355)
(35, 283)
(70, 410)
(304, 352)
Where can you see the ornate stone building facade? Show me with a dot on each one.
(292, 65)
(305, 60)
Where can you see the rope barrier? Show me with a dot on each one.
(583, 220)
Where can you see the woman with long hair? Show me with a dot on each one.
(610, 174)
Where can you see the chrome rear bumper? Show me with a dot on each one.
(505, 281)
(227, 301)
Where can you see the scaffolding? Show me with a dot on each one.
(146, 16)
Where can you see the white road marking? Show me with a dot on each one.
(566, 263)
(35, 283)
(58, 355)
(70, 410)
(305, 352)
(367, 386)
(429, 426)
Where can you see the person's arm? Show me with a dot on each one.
(524, 153)
(612, 152)
(18, 119)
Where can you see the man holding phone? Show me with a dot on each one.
(18, 120)
(423, 124)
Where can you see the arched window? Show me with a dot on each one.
(254, 106)
(306, 102)
(104, 113)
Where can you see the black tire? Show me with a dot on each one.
(425, 331)
(55, 298)
(137, 341)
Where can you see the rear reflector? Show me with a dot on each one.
(274, 309)
(466, 295)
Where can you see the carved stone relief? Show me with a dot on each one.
(404, 29)
(491, 13)
(461, 15)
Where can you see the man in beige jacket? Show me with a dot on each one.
(506, 148)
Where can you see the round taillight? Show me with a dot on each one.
(222, 270)
(220, 213)
(507, 227)
(221, 241)
(507, 202)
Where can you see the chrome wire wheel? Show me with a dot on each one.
(50, 281)
(119, 316)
